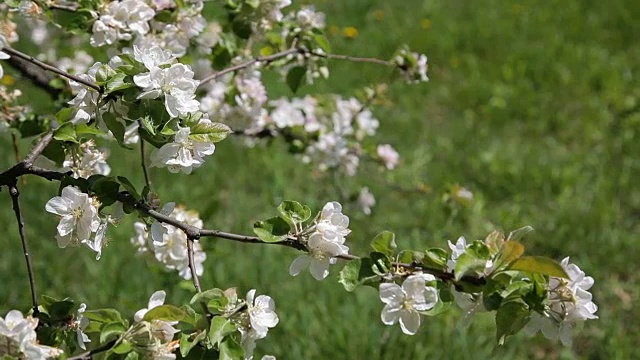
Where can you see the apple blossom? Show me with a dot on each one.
(177, 85)
(184, 154)
(388, 155)
(322, 253)
(119, 20)
(81, 322)
(18, 338)
(163, 330)
(78, 216)
(366, 200)
(90, 161)
(261, 309)
(333, 224)
(404, 303)
(568, 302)
(458, 249)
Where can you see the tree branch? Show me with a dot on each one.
(15, 194)
(143, 161)
(33, 73)
(192, 265)
(244, 65)
(31, 59)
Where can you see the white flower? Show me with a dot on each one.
(162, 330)
(456, 250)
(248, 339)
(322, 253)
(184, 154)
(177, 85)
(153, 56)
(388, 155)
(169, 244)
(333, 224)
(307, 17)
(86, 99)
(268, 357)
(81, 323)
(119, 20)
(78, 216)
(569, 302)
(3, 56)
(131, 133)
(89, 162)
(18, 338)
(262, 312)
(366, 200)
(404, 303)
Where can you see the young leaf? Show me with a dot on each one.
(271, 230)
(295, 77)
(115, 126)
(510, 318)
(435, 258)
(293, 212)
(358, 272)
(104, 315)
(520, 233)
(511, 251)
(231, 350)
(220, 328)
(539, 265)
(164, 313)
(128, 186)
(385, 243)
(186, 344)
(468, 264)
(66, 132)
(110, 330)
(209, 131)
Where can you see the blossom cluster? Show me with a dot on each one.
(87, 161)
(325, 242)
(254, 324)
(168, 244)
(569, 301)
(18, 338)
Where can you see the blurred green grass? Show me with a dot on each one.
(531, 105)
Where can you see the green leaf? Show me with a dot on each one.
(116, 82)
(322, 42)
(104, 315)
(209, 131)
(105, 188)
(293, 212)
(385, 243)
(61, 310)
(164, 313)
(358, 272)
(128, 186)
(231, 350)
(220, 328)
(271, 230)
(66, 132)
(511, 251)
(116, 127)
(82, 129)
(207, 295)
(104, 73)
(520, 233)
(55, 152)
(435, 258)
(111, 330)
(539, 265)
(510, 318)
(468, 265)
(295, 77)
(186, 344)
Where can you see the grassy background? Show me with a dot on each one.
(531, 105)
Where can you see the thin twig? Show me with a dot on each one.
(31, 59)
(355, 59)
(87, 355)
(15, 194)
(192, 265)
(143, 161)
(244, 65)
